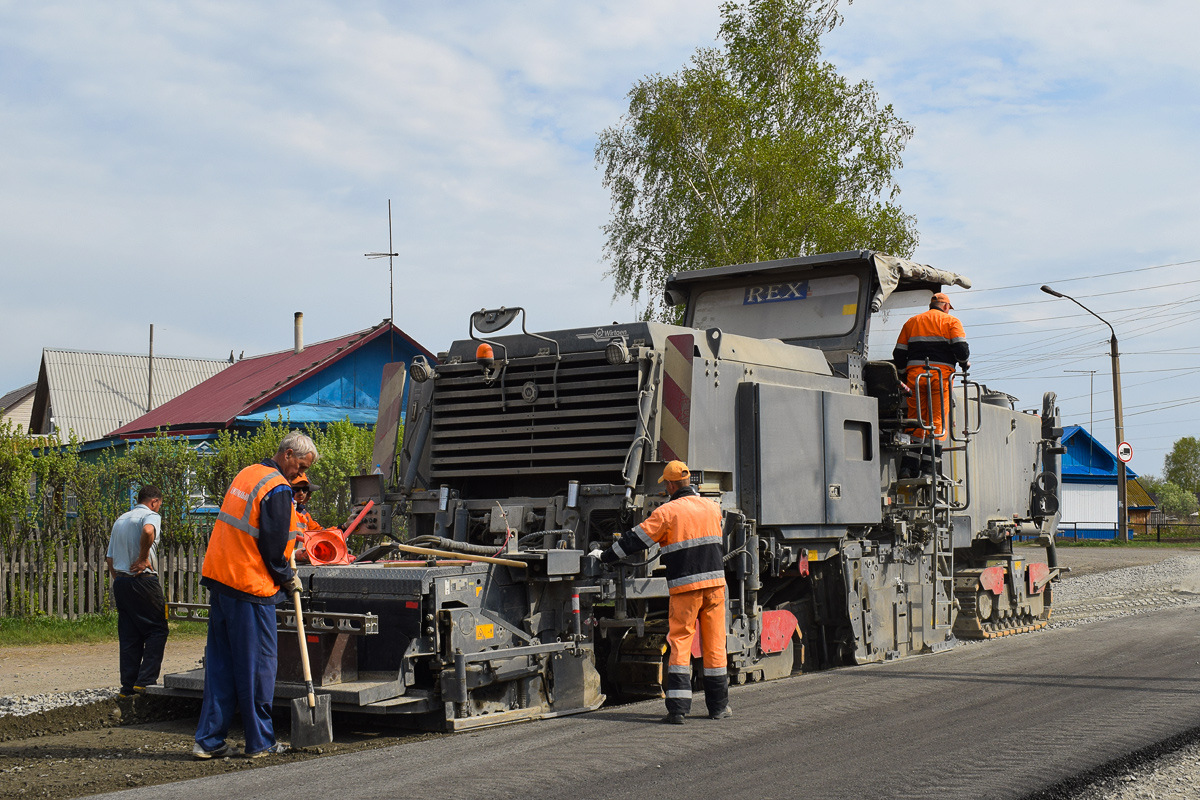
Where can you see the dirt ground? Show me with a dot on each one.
(57, 668)
(84, 750)
(121, 743)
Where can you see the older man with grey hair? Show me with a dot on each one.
(246, 572)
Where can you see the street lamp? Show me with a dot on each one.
(1122, 509)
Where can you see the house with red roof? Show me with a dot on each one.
(307, 384)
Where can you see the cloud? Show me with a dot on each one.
(213, 167)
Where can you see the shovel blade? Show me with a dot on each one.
(311, 726)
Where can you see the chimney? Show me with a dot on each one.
(299, 332)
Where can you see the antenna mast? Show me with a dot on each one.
(391, 285)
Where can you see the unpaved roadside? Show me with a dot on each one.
(42, 669)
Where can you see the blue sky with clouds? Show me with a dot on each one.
(212, 167)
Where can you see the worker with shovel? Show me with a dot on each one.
(246, 572)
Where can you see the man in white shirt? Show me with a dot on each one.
(141, 608)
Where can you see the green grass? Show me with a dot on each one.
(44, 629)
(1135, 543)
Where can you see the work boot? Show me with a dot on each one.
(279, 748)
(673, 719)
(724, 713)
(224, 751)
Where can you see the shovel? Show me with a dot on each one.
(312, 719)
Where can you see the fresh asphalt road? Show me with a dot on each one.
(999, 719)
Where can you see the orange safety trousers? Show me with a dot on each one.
(934, 410)
(707, 606)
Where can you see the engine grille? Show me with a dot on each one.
(588, 434)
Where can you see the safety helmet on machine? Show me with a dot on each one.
(675, 471)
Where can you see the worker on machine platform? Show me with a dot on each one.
(688, 529)
(937, 337)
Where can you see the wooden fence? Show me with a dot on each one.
(69, 581)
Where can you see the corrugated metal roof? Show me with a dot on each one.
(1136, 496)
(16, 395)
(219, 401)
(94, 393)
(17, 405)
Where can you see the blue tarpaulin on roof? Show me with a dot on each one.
(300, 413)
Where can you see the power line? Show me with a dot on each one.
(1089, 277)
(1082, 296)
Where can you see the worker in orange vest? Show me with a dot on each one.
(302, 491)
(688, 529)
(935, 337)
(246, 572)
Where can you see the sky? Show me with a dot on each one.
(213, 167)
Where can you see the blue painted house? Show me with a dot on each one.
(1089, 490)
(315, 384)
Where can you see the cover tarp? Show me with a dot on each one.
(892, 270)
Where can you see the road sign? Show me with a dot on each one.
(1125, 452)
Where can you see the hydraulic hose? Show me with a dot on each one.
(441, 543)
(530, 538)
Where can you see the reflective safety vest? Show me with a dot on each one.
(232, 557)
(307, 523)
(688, 529)
(934, 335)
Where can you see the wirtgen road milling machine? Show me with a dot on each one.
(523, 451)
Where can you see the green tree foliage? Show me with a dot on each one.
(48, 492)
(756, 150)
(172, 464)
(1176, 501)
(345, 450)
(17, 468)
(1182, 465)
(1173, 500)
(233, 451)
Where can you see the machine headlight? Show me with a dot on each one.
(616, 352)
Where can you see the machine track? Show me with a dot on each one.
(969, 625)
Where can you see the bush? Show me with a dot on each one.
(50, 492)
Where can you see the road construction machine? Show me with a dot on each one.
(522, 451)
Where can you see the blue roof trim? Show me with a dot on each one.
(1087, 460)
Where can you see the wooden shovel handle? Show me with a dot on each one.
(312, 698)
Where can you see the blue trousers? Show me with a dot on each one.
(239, 672)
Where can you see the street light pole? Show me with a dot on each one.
(1118, 418)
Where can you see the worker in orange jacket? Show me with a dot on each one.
(688, 529)
(246, 573)
(302, 491)
(935, 337)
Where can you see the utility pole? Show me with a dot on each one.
(1118, 419)
(1091, 373)
(150, 382)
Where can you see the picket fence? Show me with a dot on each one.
(69, 581)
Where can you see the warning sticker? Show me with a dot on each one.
(485, 632)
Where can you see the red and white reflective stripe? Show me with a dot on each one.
(676, 421)
(575, 604)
